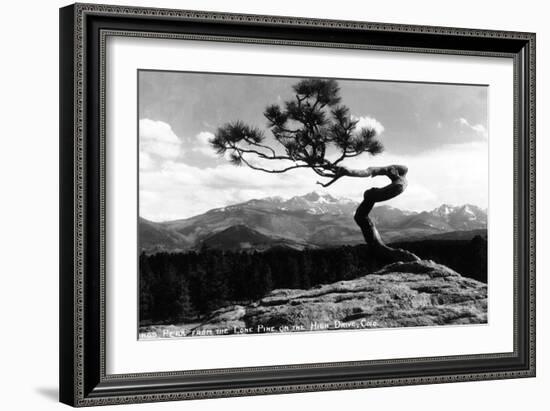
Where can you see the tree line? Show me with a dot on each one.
(186, 287)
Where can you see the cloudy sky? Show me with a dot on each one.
(438, 130)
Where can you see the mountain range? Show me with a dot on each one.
(312, 220)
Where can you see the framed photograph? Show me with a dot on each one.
(261, 204)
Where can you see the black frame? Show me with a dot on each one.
(83, 30)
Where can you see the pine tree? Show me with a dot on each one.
(185, 309)
(304, 131)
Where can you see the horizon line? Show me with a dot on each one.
(322, 194)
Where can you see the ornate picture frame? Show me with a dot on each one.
(84, 377)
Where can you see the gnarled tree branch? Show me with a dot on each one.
(397, 175)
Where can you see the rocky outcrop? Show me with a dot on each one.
(418, 293)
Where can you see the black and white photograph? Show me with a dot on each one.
(250, 205)
(271, 204)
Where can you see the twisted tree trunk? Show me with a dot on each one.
(396, 173)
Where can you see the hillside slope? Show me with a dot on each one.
(312, 220)
(400, 295)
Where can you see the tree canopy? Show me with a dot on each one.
(303, 130)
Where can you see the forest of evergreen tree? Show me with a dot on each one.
(187, 287)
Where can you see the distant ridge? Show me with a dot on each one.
(311, 220)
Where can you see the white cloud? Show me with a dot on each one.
(204, 137)
(158, 141)
(202, 144)
(454, 174)
(178, 190)
(479, 129)
(146, 163)
(368, 122)
(170, 188)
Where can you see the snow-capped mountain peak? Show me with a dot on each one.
(443, 210)
(460, 216)
(319, 203)
(314, 196)
(314, 219)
